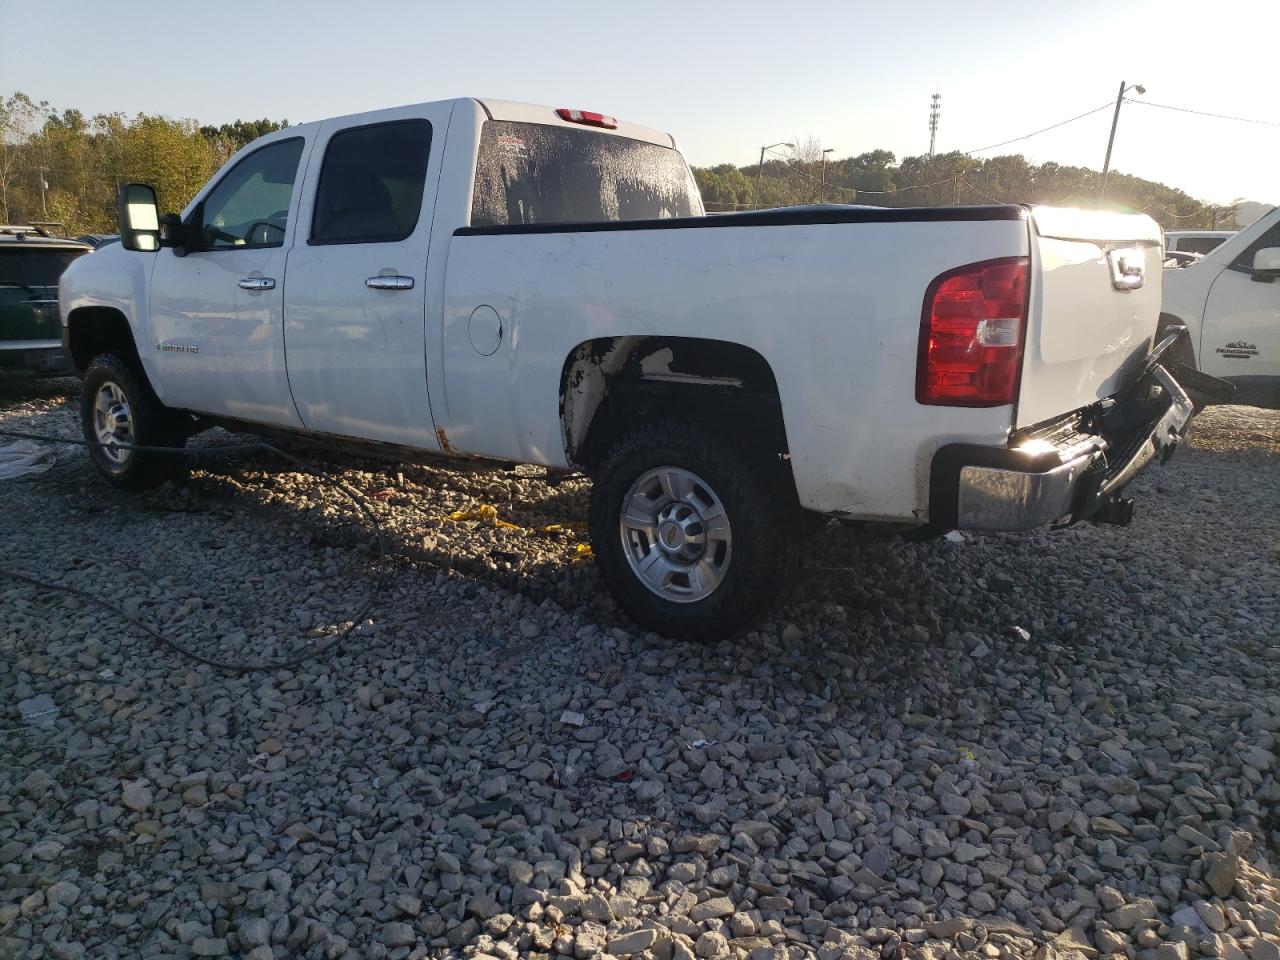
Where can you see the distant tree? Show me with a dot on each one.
(877, 177)
(227, 138)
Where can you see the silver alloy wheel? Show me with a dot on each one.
(113, 422)
(675, 534)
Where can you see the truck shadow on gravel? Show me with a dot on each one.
(1046, 717)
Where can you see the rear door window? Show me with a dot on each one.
(370, 188)
(537, 173)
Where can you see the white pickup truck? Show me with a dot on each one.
(1229, 300)
(477, 278)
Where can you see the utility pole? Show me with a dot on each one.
(44, 212)
(760, 166)
(1115, 118)
(935, 111)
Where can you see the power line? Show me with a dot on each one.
(1052, 126)
(1203, 113)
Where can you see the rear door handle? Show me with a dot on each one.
(389, 283)
(257, 283)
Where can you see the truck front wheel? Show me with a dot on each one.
(119, 411)
(696, 536)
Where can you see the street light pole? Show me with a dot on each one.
(822, 195)
(760, 166)
(1115, 118)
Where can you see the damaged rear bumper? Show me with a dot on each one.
(1071, 471)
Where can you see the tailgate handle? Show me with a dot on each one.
(1128, 268)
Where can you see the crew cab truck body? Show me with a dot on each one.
(497, 280)
(1230, 302)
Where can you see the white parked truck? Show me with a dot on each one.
(1229, 300)
(478, 278)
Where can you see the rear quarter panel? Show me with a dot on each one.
(834, 308)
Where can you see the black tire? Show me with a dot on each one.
(763, 518)
(152, 424)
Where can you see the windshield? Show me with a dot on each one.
(534, 173)
(27, 267)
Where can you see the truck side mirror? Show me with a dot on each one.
(1266, 264)
(137, 218)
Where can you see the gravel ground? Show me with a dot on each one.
(1042, 746)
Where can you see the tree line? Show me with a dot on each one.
(65, 167)
(879, 178)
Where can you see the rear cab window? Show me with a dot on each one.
(1200, 245)
(535, 173)
(28, 270)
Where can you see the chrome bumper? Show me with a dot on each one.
(1012, 489)
(992, 498)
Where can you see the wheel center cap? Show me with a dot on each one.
(672, 535)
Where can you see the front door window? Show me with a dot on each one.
(249, 207)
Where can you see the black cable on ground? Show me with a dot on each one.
(287, 663)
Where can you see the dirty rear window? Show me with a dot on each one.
(25, 267)
(533, 173)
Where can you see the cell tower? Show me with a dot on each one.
(935, 110)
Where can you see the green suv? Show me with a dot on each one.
(31, 261)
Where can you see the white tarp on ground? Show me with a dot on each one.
(24, 458)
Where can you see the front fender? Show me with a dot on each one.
(116, 278)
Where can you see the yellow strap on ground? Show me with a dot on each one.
(486, 512)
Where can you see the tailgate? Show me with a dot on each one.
(1094, 308)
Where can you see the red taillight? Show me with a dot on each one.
(588, 118)
(971, 335)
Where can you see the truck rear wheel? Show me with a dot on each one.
(695, 535)
(118, 406)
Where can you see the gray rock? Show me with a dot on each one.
(1223, 869)
(1109, 941)
(637, 941)
(1212, 915)
(136, 796)
(710, 909)
(589, 940)
(1174, 950)
(711, 944)
(64, 892)
(1132, 914)
(254, 932)
(397, 934)
(596, 908)
(876, 861)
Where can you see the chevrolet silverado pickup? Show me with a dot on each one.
(486, 279)
(1229, 300)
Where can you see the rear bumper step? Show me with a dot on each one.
(1032, 483)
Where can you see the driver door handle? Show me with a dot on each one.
(257, 283)
(389, 283)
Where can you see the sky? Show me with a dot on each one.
(725, 78)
